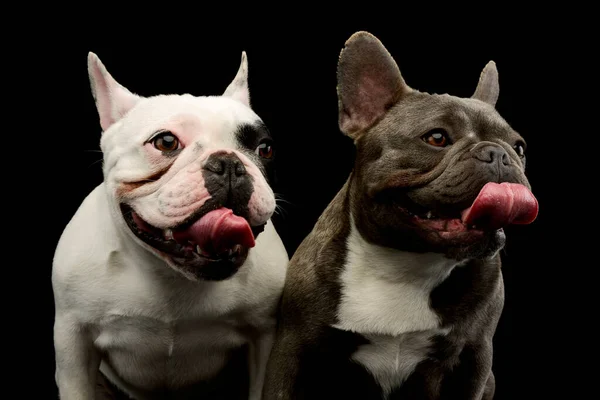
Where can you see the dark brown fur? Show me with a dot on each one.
(386, 119)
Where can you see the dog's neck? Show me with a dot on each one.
(426, 269)
(387, 291)
(423, 270)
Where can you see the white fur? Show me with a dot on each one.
(391, 359)
(237, 89)
(117, 301)
(385, 297)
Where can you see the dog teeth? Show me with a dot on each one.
(168, 234)
(430, 215)
(235, 250)
(198, 249)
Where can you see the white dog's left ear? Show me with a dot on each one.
(238, 88)
(113, 100)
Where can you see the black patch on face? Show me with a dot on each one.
(228, 182)
(250, 136)
(230, 186)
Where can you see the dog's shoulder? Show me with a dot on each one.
(88, 232)
(471, 299)
(313, 270)
(88, 242)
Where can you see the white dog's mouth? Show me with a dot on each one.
(212, 246)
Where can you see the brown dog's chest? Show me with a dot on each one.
(392, 359)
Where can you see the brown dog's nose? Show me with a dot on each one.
(492, 153)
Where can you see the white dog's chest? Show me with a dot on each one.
(146, 352)
(154, 335)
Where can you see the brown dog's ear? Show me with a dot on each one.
(368, 83)
(488, 89)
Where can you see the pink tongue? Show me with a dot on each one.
(501, 204)
(218, 231)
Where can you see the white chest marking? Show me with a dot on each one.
(385, 297)
(391, 359)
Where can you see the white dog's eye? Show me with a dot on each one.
(265, 149)
(166, 142)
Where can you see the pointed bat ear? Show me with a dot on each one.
(113, 101)
(369, 82)
(488, 88)
(238, 88)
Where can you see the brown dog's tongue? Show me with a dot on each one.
(218, 231)
(501, 204)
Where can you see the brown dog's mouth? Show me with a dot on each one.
(215, 236)
(496, 206)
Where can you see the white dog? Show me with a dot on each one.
(163, 286)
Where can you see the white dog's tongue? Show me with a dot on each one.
(501, 204)
(218, 231)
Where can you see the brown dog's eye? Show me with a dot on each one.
(520, 149)
(265, 150)
(437, 138)
(166, 142)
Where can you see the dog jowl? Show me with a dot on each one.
(167, 278)
(397, 291)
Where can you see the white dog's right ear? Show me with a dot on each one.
(113, 100)
(238, 88)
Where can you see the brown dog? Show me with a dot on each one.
(397, 291)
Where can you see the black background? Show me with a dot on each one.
(292, 86)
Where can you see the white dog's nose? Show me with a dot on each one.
(226, 164)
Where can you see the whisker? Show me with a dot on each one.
(279, 208)
(95, 162)
(279, 198)
(283, 201)
(280, 211)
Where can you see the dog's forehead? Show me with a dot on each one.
(466, 110)
(424, 110)
(217, 114)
